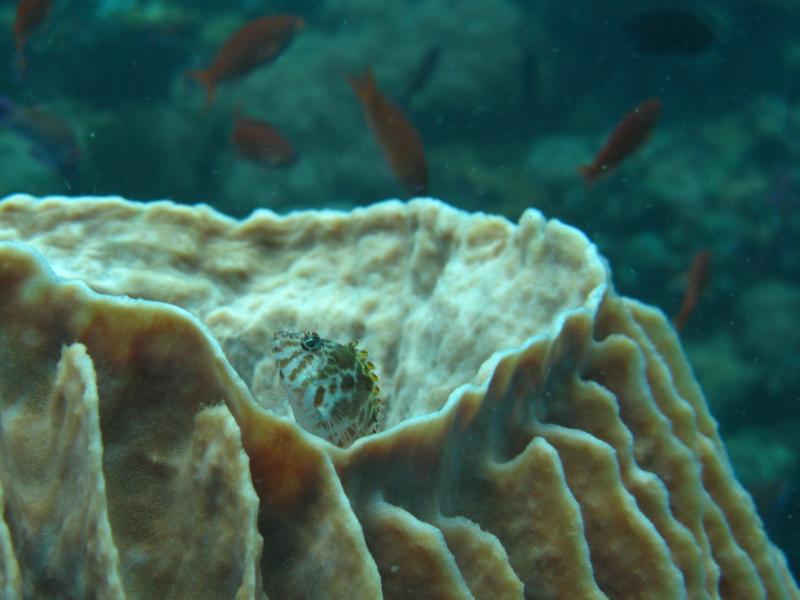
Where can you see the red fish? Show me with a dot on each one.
(30, 15)
(399, 140)
(256, 43)
(697, 278)
(631, 132)
(259, 142)
(52, 140)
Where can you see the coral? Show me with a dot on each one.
(544, 437)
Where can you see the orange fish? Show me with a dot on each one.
(399, 140)
(697, 278)
(259, 142)
(30, 15)
(256, 43)
(631, 132)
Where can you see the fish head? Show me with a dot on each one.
(298, 23)
(332, 387)
(300, 358)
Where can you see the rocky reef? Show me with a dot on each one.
(544, 437)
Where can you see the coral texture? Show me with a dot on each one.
(544, 437)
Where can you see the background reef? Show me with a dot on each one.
(521, 94)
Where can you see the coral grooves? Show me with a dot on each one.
(543, 436)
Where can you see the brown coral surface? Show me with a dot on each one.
(544, 437)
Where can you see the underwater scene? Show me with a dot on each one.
(667, 132)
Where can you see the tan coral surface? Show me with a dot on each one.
(545, 438)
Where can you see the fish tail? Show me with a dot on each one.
(363, 83)
(22, 63)
(7, 109)
(19, 42)
(354, 82)
(204, 78)
(237, 112)
(589, 174)
(679, 320)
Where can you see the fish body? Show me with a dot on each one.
(697, 278)
(254, 44)
(332, 388)
(30, 15)
(397, 137)
(260, 142)
(630, 133)
(50, 136)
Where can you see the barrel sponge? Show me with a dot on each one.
(543, 438)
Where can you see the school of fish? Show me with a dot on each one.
(261, 41)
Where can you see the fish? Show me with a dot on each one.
(784, 201)
(254, 44)
(30, 15)
(697, 279)
(259, 142)
(52, 139)
(665, 31)
(422, 74)
(398, 138)
(630, 133)
(332, 388)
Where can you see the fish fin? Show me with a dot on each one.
(363, 84)
(593, 172)
(237, 113)
(21, 63)
(275, 398)
(204, 77)
(589, 174)
(43, 157)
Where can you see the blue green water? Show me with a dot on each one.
(518, 96)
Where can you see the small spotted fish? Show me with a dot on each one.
(332, 388)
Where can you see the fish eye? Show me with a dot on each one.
(310, 341)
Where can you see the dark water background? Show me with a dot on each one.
(521, 94)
